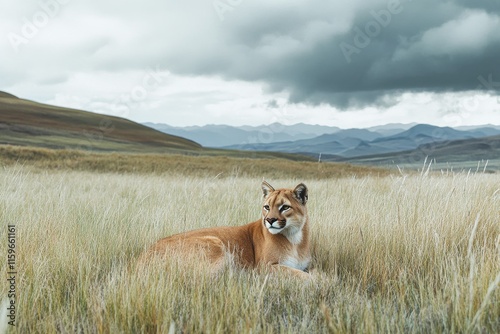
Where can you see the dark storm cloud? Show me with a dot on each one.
(488, 5)
(344, 53)
(354, 54)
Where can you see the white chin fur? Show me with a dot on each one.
(273, 230)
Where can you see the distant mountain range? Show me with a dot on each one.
(331, 142)
(225, 135)
(462, 153)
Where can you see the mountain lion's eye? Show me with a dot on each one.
(284, 208)
(266, 207)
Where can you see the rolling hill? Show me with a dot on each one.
(29, 123)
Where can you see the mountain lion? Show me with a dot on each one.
(278, 240)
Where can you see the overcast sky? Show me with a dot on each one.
(352, 63)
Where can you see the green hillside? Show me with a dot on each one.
(29, 123)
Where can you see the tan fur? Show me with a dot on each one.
(252, 245)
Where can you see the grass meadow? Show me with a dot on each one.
(399, 253)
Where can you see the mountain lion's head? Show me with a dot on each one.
(284, 210)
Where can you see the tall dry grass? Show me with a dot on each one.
(415, 254)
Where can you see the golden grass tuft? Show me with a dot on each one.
(409, 254)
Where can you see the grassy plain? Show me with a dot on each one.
(239, 163)
(396, 253)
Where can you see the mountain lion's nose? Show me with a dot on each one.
(271, 220)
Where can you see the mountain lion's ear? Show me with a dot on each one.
(266, 188)
(300, 193)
